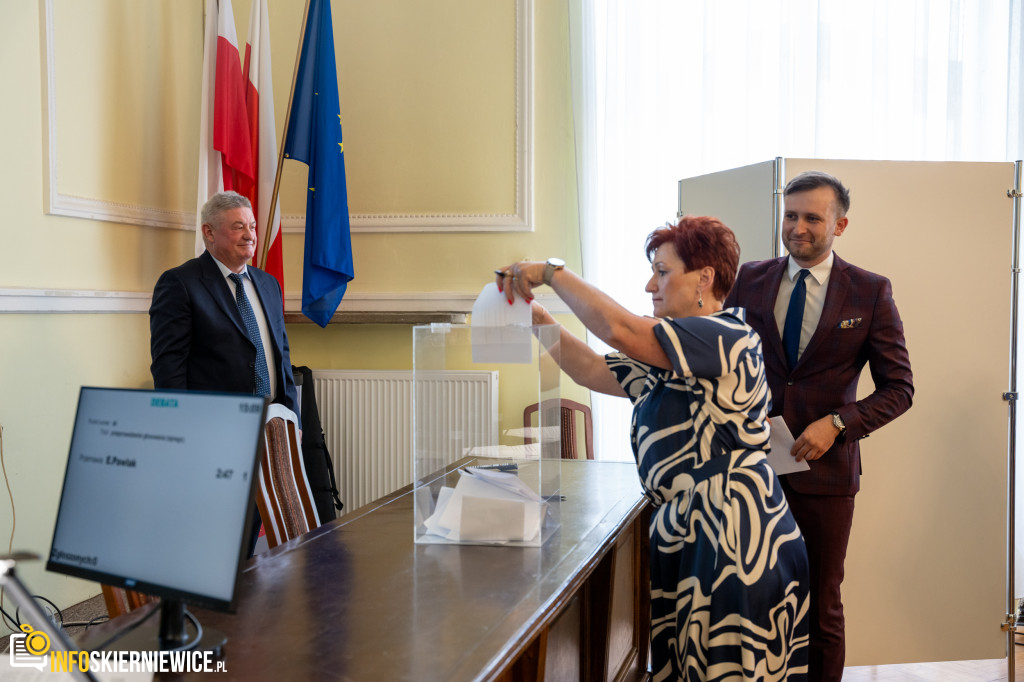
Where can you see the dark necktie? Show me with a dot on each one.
(795, 319)
(262, 375)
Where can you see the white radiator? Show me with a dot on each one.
(367, 418)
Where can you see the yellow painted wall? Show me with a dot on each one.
(46, 358)
(107, 127)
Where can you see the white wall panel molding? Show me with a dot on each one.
(51, 301)
(62, 203)
(72, 301)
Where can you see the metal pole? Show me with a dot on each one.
(284, 140)
(778, 204)
(1010, 624)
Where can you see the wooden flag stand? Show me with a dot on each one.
(284, 139)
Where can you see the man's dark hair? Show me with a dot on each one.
(809, 180)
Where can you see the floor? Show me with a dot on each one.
(954, 671)
(994, 670)
(76, 618)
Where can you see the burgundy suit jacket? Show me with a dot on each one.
(859, 325)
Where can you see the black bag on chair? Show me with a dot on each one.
(319, 469)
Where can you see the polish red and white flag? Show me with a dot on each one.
(225, 145)
(259, 100)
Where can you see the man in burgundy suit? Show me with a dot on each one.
(840, 318)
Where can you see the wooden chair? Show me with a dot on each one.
(120, 601)
(283, 494)
(283, 497)
(569, 411)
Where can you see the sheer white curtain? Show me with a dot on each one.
(667, 89)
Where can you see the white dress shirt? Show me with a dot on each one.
(261, 318)
(817, 286)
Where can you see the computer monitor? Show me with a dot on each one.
(158, 494)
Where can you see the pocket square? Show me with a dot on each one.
(851, 323)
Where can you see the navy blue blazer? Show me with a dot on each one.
(198, 340)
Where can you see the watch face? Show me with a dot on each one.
(557, 262)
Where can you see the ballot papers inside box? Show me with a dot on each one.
(496, 485)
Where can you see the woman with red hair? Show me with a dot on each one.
(729, 593)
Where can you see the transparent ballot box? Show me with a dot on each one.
(486, 434)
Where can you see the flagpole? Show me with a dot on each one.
(284, 140)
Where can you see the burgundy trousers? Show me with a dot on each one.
(825, 521)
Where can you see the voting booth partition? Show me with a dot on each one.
(512, 496)
(926, 570)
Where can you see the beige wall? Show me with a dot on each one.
(127, 103)
(931, 513)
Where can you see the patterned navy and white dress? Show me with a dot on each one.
(729, 594)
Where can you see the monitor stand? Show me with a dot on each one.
(174, 632)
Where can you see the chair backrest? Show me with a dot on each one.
(283, 495)
(569, 410)
(120, 601)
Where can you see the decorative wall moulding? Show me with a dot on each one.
(387, 305)
(51, 301)
(61, 201)
(92, 209)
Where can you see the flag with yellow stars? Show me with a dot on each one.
(314, 137)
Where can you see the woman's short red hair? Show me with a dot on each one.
(702, 241)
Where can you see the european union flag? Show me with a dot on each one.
(314, 137)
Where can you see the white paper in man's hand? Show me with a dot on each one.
(781, 457)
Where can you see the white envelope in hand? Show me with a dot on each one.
(501, 332)
(780, 457)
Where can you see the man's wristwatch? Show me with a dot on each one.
(553, 265)
(838, 422)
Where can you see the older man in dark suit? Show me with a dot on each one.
(821, 320)
(217, 324)
(208, 334)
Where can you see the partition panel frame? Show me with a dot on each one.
(925, 567)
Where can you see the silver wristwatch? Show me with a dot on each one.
(553, 265)
(838, 422)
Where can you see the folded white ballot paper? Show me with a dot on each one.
(534, 433)
(501, 332)
(522, 451)
(781, 458)
(487, 507)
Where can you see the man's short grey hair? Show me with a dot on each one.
(221, 202)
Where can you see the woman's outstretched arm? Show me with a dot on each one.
(622, 330)
(582, 363)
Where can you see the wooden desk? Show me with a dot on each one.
(357, 599)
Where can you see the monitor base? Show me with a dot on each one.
(174, 631)
(146, 637)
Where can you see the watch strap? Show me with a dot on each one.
(550, 268)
